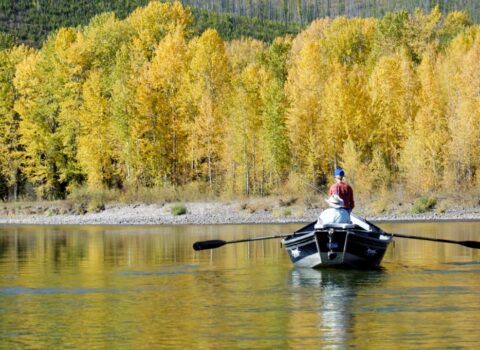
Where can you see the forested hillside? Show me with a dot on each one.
(145, 103)
(305, 11)
(31, 21)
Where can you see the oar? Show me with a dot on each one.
(217, 243)
(469, 244)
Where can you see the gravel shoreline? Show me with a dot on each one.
(207, 213)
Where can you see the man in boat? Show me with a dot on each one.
(336, 214)
(343, 190)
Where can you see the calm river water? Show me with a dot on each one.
(143, 287)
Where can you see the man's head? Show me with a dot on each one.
(339, 173)
(334, 201)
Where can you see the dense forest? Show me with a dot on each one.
(305, 11)
(146, 102)
(30, 21)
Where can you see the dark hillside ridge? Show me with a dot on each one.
(304, 11)
(30, 21)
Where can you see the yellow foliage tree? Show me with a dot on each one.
(422, 32)
(10, 146)
(154, 21)
(242, 52)
(96, 145)
(159, 131)
(126, 75)
(276, 150)
(245, 125)
(236, 157)
(69, 69)
(305, 88)
(348, 41)
(424, 153)
(463, 86)
(392, 87)
(47, 163)
(209, 81)
(102, 39)
(346, 113)
(315, 32)
(357, 173)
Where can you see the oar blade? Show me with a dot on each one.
(212, 244)
(470, 244)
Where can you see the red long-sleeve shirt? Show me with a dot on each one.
(344, 191)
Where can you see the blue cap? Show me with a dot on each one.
(339, 172)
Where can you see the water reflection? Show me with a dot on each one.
(334, 293)
(335, 278)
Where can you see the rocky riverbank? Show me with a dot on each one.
(204, 213)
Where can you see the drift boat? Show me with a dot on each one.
(359, 245)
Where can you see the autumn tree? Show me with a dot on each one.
(257, 150)
(242, 55)
(40, 97)
(154, 21)
(346, 112)
(390, 34)
(461, 81)
(209, 80)
(392, 88)
(305, 88)
(245, 124)
(96, 146)
(70, 64)
(159, 132)
(242, 52)
(276, 146)
(423, 156)
(125, 78)
(101, 40)
(454, 23)
(348, 41)
(10, 146)
(422, 32)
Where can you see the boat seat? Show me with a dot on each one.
(320, 225)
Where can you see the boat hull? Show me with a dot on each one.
(350, 246)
